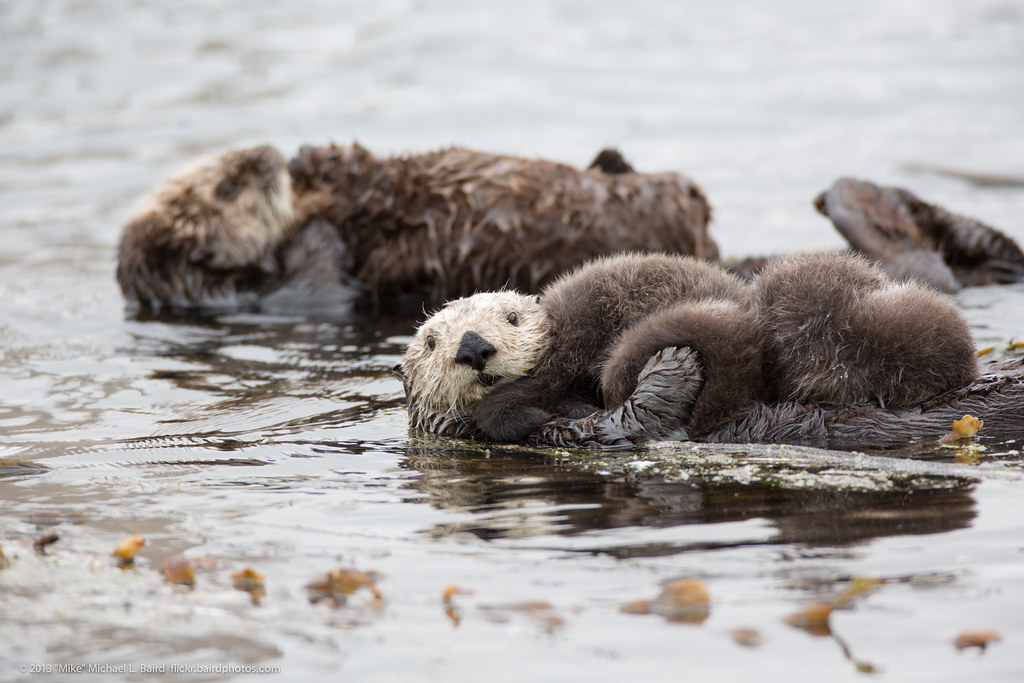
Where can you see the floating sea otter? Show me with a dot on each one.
(819, 347)
(337, 226)
(239, 229)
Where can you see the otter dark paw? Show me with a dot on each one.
(659, 408)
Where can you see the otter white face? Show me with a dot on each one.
(234, 207)
(465, 350)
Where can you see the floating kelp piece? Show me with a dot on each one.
(979, 639)
(337, 584)
(685, 600)
(127, 549)
(180, 571)
(452, 610)
(543, 613)
(813, 619)
(964, 428)
(747, 637)
(44, 541)
(857, 588)
(250, 581)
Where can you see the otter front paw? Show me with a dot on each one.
(660, 408)
(509, 424)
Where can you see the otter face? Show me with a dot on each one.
(465, 350)
(229, 211)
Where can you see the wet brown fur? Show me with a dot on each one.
(727, 339)
(444, 224)
(456, 221)
(606, 319)
(427, 226)
(209, 233)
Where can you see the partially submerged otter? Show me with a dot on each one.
(345, 227)
(635, 347)
(209, 233)
(234, 229)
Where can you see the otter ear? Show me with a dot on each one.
(537, 298)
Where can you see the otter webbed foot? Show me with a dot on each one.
(877, 222)
(977, 253)
(914, 239)
(660, 408)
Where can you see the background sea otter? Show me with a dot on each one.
(816, 328)
(344, 227)
(236, 229)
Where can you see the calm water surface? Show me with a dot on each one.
(281, 443)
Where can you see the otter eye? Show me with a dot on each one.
(431, 343)
(513, 319)
(226, 190)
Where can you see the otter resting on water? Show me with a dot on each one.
(233, 230)
(342, 227)
(820, 348)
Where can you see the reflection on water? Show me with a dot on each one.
(505, 495)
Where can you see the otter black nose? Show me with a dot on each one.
(474, 351)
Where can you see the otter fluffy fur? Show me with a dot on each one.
(817, 328)
(427, 226)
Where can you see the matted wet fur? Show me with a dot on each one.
(427, 227)
(585, 314)
(209, 233)
(456, 221)
(424, 226)
(996, 395)
(822, 328)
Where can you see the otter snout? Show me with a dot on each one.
(474, 351)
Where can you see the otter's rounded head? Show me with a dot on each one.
(228, 211)
(465, 350)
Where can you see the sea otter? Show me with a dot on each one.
(344, 228)
(232, 230)
(683, 340)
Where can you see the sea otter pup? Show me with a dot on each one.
(233, 230)
(818, 328)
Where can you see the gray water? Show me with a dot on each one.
(281, 443)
